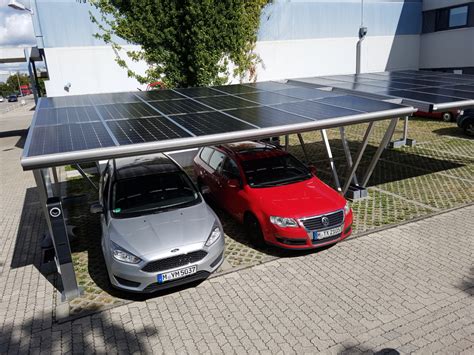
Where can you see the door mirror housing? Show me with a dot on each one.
(233, 183)
(312, 169)
(97, 208)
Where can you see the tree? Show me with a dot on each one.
(184, 42)
(12, 81)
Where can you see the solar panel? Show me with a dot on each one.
(158, 95)
(235, 89)
(81, 114)
(166, 118)
(448, 92)
(210, 123)
(306, 93)
(180, 106)
(420, 96)
(120, 111)
(315, 110)
(68, 137)
(226, 102)
(358, 103)
(268, 98)
(145, 130)
(269, 85)
(198, 92)
(463, 87)
(266, 116)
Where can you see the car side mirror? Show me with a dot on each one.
(233, 183)
(97, 208)
(312, 169)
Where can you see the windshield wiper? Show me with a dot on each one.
(284, 181)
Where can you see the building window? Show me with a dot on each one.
(458, 16)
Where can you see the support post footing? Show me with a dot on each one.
(356, 192)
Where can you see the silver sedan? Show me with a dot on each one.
(157, 230)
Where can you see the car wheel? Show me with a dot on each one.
(254, 231)
(469, 129)
(447, 116)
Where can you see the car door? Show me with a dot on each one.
(215, 182)
(231, 193)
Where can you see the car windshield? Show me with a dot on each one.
(152, 194)
(274, 170)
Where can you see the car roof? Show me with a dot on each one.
(250, 150)
(125, 168)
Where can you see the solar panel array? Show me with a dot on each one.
(424, 89)
(75, 123)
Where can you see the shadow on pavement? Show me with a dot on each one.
(454, 132)
(85, 336)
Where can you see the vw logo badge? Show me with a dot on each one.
(174, 250)
(55, 212)
(325, 221)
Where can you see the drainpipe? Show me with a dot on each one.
(362, 34)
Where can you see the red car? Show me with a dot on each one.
(447, 116)
(277, 198)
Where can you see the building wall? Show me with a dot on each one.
(451, 48)
(296, 38)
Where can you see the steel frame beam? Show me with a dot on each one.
(383, 144)
(324, 135)
(358, 158)
(66, 271)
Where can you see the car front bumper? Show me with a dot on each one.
(131, 277)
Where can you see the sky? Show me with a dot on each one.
(16, 30)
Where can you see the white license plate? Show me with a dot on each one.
(177, 274)
(327, 233)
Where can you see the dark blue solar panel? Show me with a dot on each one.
(198, 92)
(210, 123)
(270, 85)
(448, 92)
(68, 137)
(307, 93)
(421, 96)
(359, 103)
(268, 98)
(180, 106)
(120, 111)
(235, 89)
(142, 130)
(157, 95)
(267, 117)
(315, 110)
(226, 102)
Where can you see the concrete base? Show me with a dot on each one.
(402, 143)
(356, 193)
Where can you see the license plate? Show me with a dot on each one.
(177, 274)
(327, 233)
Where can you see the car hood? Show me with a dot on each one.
(307, 198)
(156, 233)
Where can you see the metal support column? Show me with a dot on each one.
(300, 137)
(358, 158)
(57, 188)
(84, 175)
(383, 144)
(347, 153)
(287, 142)
(324, 135)
(404, 141)
(54, 216)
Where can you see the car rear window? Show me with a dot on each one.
(206, 154)
(216, 159)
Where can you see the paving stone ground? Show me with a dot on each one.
(409, 288)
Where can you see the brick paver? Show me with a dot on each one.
(407, 288)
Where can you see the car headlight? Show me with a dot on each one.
(121, 254)
(347, 209)
(284, 222)
(214, 236)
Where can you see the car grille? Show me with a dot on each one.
(174, 261)
(315, 223)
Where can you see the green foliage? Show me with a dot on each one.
(185, 42)
(12, 81)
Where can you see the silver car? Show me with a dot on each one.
(157, 230)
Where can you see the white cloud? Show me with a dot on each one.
(16, 29)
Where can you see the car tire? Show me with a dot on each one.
(254, 231)
(469, 129)
(447, 116)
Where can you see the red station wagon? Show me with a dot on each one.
(277, 198)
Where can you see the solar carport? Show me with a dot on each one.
(89, 128)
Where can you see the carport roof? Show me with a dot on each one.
(74, 129)
(425, 90)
